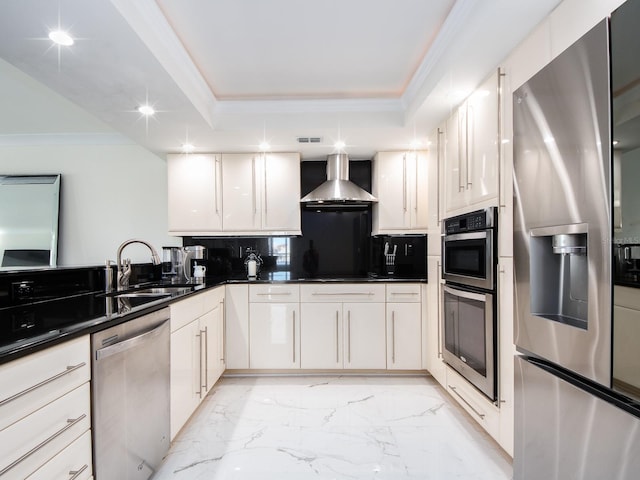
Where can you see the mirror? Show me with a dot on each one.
(29, 220)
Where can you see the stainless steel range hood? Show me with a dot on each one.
(338, 190)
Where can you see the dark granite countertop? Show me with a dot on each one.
(30, 327)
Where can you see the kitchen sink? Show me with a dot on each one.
(152, 292)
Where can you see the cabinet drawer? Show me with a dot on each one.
(31, 382)
(73, 460)
(343, 292)
(185, 311)
(401, 293)
(477, 405)
(280, 293)
(28, 444)
(211, 298)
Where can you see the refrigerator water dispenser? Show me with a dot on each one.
(559, 276)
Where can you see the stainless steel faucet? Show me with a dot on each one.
(124, 267)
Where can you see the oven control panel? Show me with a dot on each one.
(469, 222)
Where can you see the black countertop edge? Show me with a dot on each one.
(21, 348)
(327, 280)
(622, 283)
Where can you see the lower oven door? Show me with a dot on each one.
(469, 336)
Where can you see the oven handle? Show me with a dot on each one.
(466, 236)
(481, 297)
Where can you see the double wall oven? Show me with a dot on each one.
(469, 259)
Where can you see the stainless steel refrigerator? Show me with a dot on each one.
(569, 421)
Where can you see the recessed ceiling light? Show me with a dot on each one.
(187, 147)
(339, 145)
(264, 146)
(415, 144)
(60, 37)
(615, 142)
(146, 110)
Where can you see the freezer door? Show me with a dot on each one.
(563, 432)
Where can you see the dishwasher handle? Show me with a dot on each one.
(129, 343)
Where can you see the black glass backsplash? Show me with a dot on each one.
(333, 243)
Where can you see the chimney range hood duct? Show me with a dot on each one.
(338, 190)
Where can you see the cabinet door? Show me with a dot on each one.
(281, 193)
(434, 188)
(194, 193)
(237, 326)
(420, 184)
(404, 336)
(435, 363)
(241, 192)
(455, 161)
(391, 213)
(185, 374)
(209, 330)
(274, 339)
(321, 335)
(364, 336)
(483, 143)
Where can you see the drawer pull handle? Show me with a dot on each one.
(272, 293)
(68, 370)
(455, 390)
(70, 423)
(76, 473)
(342, 294)
(405, 293)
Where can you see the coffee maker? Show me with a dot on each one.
(179, 263)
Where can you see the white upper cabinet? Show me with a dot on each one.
(241, 190)
(281, 193)
(195, 193)
(472, 150)
(239, 193)
(401, 184)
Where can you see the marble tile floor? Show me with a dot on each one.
(332, 427)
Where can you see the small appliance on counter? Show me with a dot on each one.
(252, 263)
(184, 264)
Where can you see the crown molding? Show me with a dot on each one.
(150, 24)
(360, 105)
(434, 64)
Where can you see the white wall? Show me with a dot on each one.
(112, 189)
(109, 194)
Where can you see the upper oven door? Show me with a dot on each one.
(467, 259)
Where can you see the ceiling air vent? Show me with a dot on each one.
(309, 139)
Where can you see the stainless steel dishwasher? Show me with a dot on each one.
(130, 397)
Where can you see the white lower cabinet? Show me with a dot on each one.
(343, 326)
(274, 326)
(318, 326)
(364, 336)
(28, 444)
(481, 409)
(349, 335)
(404, 326)
(185, 369)
(196, 352)
(274, 341)
(321, 336)
(433, 349)
(404, 336)
(74, 462)
(45, 407)
(236, 316)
